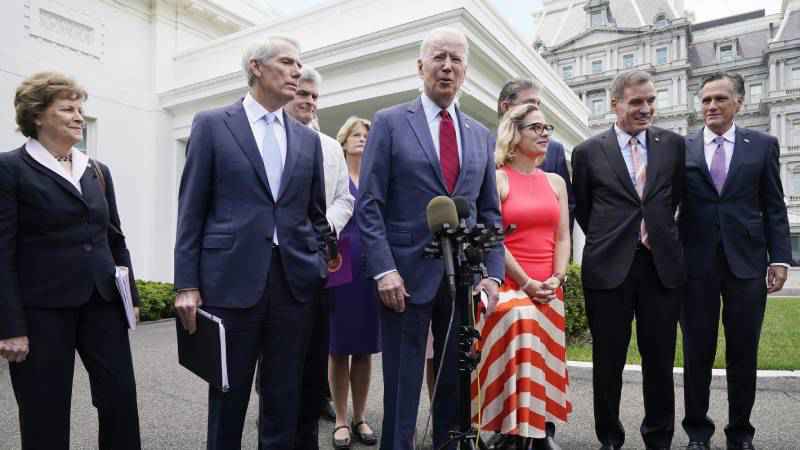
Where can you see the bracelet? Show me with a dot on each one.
(527, 283)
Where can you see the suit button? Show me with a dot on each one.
(87, 247)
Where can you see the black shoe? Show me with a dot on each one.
(697, 445)
(545, 444)
(342, 444)
(365, 438)
(745, 445)
(609, 447)
(326, 411)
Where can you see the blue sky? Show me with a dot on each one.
(518, 12)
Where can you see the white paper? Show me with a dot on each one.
(223, 351)
(124, 288)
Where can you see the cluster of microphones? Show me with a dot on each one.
(457, 243)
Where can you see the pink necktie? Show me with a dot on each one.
(448, 151)
(640, 175)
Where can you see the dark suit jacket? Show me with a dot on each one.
(748, 218)
(400, 174)
(555, 161)
(227, 213)
(610, 211)
(56, 246)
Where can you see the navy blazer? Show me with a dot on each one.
(555, 161)
(400, 174)
(748, 218)
(227, 213)
(56, 246)
(610, 211)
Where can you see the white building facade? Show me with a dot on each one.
(150, 65)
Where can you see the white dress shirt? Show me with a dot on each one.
(79, 162)
(338, 200)
(433, 118)
(255, 114)
(624, 141)
(709, 146)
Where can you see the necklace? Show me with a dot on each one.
(67, 158)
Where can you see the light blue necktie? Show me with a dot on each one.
(271, 154)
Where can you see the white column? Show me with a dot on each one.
(674, 51)
(646, 58)
(779, 75)
(675, 92)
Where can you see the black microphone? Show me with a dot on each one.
(462, 207)
(442, 215)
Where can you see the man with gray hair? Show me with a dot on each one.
(249, 245)
(628, 184)
(415, 152)
(339, 201)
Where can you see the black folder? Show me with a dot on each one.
(204, 352)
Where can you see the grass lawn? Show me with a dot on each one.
(779, 347)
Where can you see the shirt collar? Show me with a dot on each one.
(624, 138)
(255, 111)
(432, 109)
(40, 154)
(730, 135)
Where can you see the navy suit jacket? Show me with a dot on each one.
(400, 174)
(610, 211)
(748, 218)
(56, 245)
(227, 213)
(555, 161)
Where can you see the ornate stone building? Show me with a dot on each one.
(589, 42)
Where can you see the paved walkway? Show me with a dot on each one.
(172, 405)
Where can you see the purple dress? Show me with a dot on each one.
(355, 323)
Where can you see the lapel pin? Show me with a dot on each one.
(746, 141)
(657, 139)
(466, 124)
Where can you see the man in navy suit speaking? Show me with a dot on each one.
(415, 152)
(735, 233)
(251, 211)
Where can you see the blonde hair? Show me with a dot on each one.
(37, 93)
(348, 127)
(509, 134)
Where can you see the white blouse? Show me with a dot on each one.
(79, 162)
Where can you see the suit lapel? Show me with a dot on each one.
(697, 155)
(467, 155)
(66, 185)
(740, 151)
(292, 141)
(617, 162)
(419, 123)
(237, 122)
(654, 159)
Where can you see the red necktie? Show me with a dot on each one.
(448, 150)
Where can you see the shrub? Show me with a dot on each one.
(157, 300)
(577, 322)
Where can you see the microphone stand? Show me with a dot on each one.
(471, 245)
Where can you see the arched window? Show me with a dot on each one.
(661, 20)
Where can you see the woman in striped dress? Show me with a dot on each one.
(521, 384)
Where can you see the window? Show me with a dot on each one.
(661, 55)
(698, 107)
(796, 77)
(598, 107)
(597, 66)
(755, 93)
(726, 53)
(661, 21)
(82, 145)
(597, 19)
(628, 61)
(795, 249)
(88, 144)
(662, 98)
(566, 71)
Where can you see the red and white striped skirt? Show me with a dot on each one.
(521, 381)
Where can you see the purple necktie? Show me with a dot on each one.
(718, 170)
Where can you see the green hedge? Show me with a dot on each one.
(577, 323)
(157, 300)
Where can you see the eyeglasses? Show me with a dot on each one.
(538, 128)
